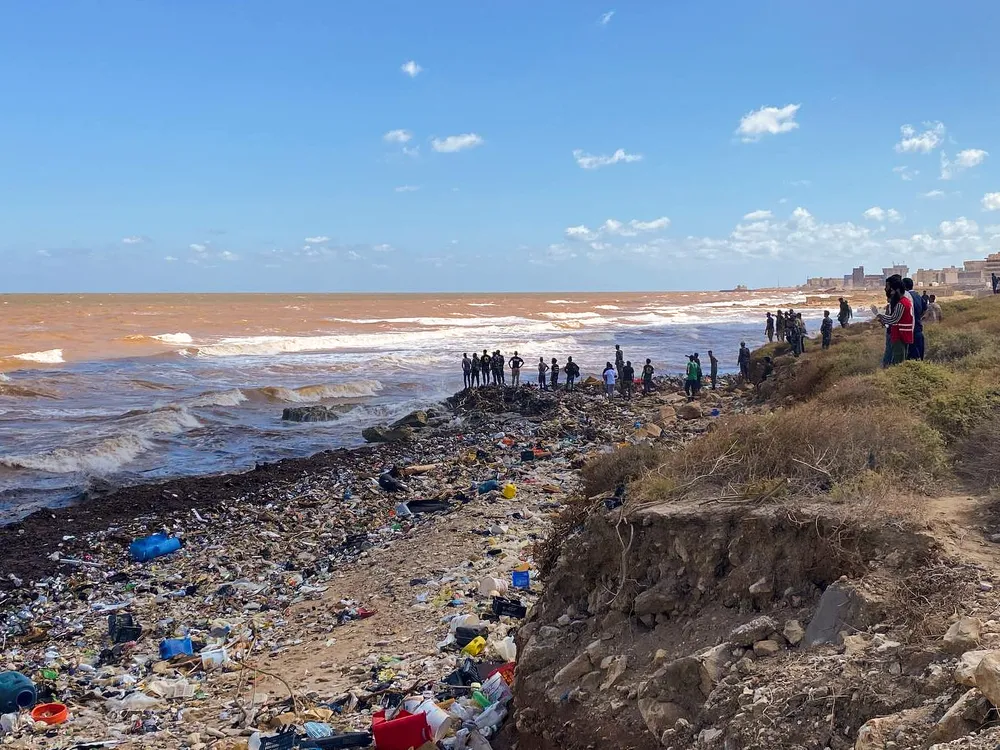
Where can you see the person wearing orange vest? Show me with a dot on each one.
(899, 319)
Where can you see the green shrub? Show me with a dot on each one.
(959, 412)
(943, 345)
(607, 471)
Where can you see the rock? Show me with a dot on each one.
(648, 431)
(854, 644)
(415, 419)
(842, 607)
(966, 715)
(963, 635)
(315, 413)
(965, 672)
(672, 692)
(708, 736)
(655, 600)
(616, 666)
(987, 676)
(713, 665)
(756, 630)
(688, 411)
(762, 586)
(666, 415)
(793, 632)
(880, 733)
(382, 434)
(766, 648)
(573, 671)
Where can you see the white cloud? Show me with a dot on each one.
(767, 120)
(960, 227)
(134, 239)
(615, 228)
(922, 143)
(971, 157)
(933, 194)
(606, 18)
(905, 173)
(967, 159)
(991, 202)
(226, 255)
(318, 240)
(169, 258)
(455, 143)
(411, 68)
(397, 136)
(757, 215)
(198, 247)
(414, 151)
(877, 213)
(593, 161)
(407, 188)
(382, 248)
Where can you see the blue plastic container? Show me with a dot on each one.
(521, 579)
(170, 647)
(17, 692)
(154, 546)
(488, 486)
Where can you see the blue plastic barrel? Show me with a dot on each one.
(170, 647)
(154, 546)
(16, 692)
(488, 486)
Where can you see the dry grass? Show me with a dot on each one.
(978, 456)
(605, 472)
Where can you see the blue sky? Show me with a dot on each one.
(252, 146)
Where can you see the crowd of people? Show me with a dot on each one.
(903, 317)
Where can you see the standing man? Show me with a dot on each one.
(924, 299)
(826, 329)
(554, 370)
(779, 328)
(917, 349)
(995, 281)
(845, 313)
(466, 371)
(713, 364)
(769, 327)
(486, 365)
(699, 375)
(743, 360)
(474, 379)
(542, 369)
(691, 378)
(619, 360)
(933, 312)
(628, 379)
(898, 319)
(515, 370)
(647, 377)
(609, 376)
(572, 373)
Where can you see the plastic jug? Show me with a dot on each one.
(152, 546)
(16, 692)
(509, 490)
(170, 647)
(475, 647)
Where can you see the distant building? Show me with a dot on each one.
(893, 270)
(858, 277)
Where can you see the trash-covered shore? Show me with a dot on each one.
(355, 598)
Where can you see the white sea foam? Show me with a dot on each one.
(219, 398)
(482, 304)
(606, 307)
(462, 322)
(174, 338)
(565, 302)
(49, 357)
(109, 454)
(4, 378)
(571, 316)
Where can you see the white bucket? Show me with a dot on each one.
(439, 720)
(490, 586)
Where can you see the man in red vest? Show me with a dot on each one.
(898, 318)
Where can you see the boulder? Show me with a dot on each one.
(841, 608)
(383, 434)
(415, 419)
(987, 676)
(674, 691)
(666, 415)
(648, 431)
(688, 411)
(315, 413)
(766, 648)
(876, 733)
(966, 715)
(793, 632)
(655, 600)
(965, 672)
(615, 666)
(854, 644)
(762, 586)
(963, 635)
(573, 671)
(713, 665)
(749, 633)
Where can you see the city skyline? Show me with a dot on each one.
(583, 147)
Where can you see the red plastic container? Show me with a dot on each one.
(402, 733)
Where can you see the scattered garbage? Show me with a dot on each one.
(50, 713)
(171, 647)
(16, 692)
(153, 546)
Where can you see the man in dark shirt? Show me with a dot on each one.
(714, 371)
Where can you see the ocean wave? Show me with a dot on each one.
(606, 307)
(111, 453)
(9, 389)
(570, 316)
(174, 338)
(151, 385)
(482, 304)
(234, 397)
(463, 322)
(308, 394)
(49, 357)
(4, 378)
(565, 302)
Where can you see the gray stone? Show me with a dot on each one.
(966, 715)
(654, 600)
(382, 434)
(965, 672)
(987, 676)
(841, 608)
(793, 632)
(963, 635)
(766, 648)
(415, 419)
(749, 633)
(314, 413)
(762, 586)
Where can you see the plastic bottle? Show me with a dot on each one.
(490, 719)
(480, 698)
(16, 692)
(152, 546)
